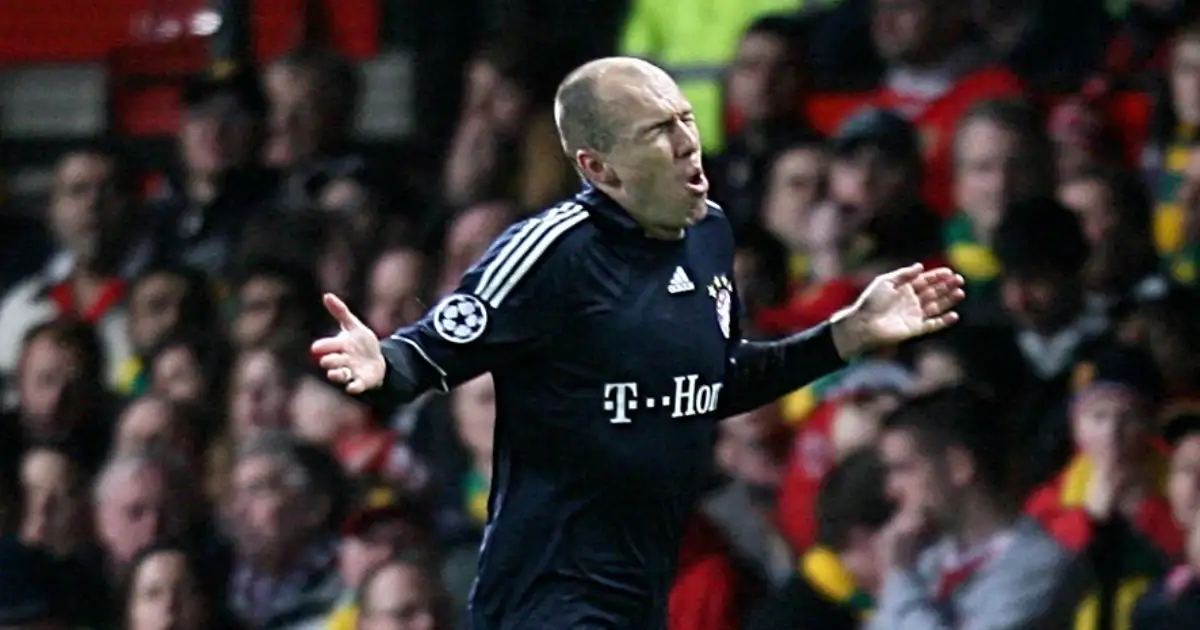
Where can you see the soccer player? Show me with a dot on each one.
(610, 326)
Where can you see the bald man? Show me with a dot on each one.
(609, 323)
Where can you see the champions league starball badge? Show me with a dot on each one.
(721, 291)
(460, 318)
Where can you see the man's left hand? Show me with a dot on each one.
(898, 306)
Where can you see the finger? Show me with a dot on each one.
(340, 312)
(356, 387)
(328, 345)
(904, 275)
(942, 303)
(335, 361)
(336, 375)
(933, 278)
(939, 322)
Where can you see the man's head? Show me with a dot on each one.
(917, 32)
(321, 412)
(852, 507)
(630, 131)
(313, 97)
(55, 501)
(796, 182)
(154, 422)
(944, 451)
(139, 499)
(1001, 154)
(394, 288)
(384, 524)
(224, 108)
(259, 392)
(1042, 250)
(876, 162)
(277, 303)
(403, 594)
(91, 206)
(168, 299)
(281, 500)
(468, 237)
(1185, 76)
(753, 448)
(54, 356)
(1117, 395)
(764, 78)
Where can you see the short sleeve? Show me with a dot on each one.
(507, 304)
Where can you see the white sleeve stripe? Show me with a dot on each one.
(424, 355)
(528, 261)
(516, 250)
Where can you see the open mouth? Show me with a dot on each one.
(698, 183)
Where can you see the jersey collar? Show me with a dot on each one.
(615, 221)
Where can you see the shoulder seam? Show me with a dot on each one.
(524, 250)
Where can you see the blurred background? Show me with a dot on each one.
(180, 180)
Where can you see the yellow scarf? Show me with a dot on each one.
(1074, 493)
(824, 571)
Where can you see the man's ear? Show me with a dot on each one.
(595, 168)
(960, 468)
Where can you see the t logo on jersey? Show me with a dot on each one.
(690, 398)
(721, 291)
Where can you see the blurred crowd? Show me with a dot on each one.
(174, 459)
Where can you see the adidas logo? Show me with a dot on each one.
(680, 282)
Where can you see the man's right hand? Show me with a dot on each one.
(353, 357)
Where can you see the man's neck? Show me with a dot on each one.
(981, 519)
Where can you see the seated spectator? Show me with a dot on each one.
(383, 526)
(1174, 601)
(765, 81)
(276, 304)
(1177, 226)
(164, 301)
(956, 554)
(283, 507)
(1172, 162)
(188, 370)
(506, 145)
(468, 236)
(936, 72)
(1084, 139)
(836, 581)
(154, 423)
(1168, 330)
(56, 503)
(169, 586)
(219, 185)
(1115, 213)
(1042, 251)
(795, 181)
(1108, 503)
(1001, 156)
(92, 213)
(59, 392)
(1053, 46)
(403, 592)
(395, 284)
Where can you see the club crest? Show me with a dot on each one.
(721, 291)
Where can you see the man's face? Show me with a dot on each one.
(474, 409)
(52, 501)
(297, 119)
(795, 184)
(656, 158)
(261, 303)
(400, 598)
(902, 29)
(136, 513)
(1109, 425)
(155, 304)
(913, 480)
(747, 449)
(266, 510)
(216, 135)
(47, 368)
(991, 170)
(1035, 301)
(258, 395)
(86, 208)
(1183, 484)
(178, 377)
(1185, 80)
(762, 82)
(320, 413)
(393, 298)
(867, 180)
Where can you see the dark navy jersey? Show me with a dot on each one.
(612, 354)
